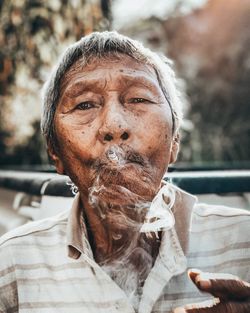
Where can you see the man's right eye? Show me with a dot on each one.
(85, 105)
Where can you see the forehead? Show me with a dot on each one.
(118, 65)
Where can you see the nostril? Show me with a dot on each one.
(108, 137)
(124, 136)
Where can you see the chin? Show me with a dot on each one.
(127, 186)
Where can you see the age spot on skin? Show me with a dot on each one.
(166, 136)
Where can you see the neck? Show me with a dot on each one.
(125, 254)
(114, 232)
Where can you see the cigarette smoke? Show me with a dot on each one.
(122, 195)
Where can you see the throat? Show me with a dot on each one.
(118, 246)
(114, 233)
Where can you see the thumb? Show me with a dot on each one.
(224, 286)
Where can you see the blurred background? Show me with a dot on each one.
(208, 40)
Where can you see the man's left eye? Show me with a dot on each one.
(137, 100)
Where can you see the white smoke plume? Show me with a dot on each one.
(135, 222)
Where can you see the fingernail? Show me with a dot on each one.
(193, 272)
(204, 284)
(180, 310)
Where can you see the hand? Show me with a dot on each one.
(232, 295)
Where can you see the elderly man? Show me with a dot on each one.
(111, 120)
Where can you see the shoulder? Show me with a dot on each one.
(19, 234)
(220, 211)
(220, 218)
(219, 239)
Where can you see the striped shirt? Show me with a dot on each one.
(48, 266)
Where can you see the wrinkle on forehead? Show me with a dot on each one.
(93, 63)
(79, 85)
(131, 72)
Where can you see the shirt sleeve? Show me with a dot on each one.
(8, 282)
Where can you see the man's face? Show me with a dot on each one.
(114, 128)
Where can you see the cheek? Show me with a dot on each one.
(74, 158)
(75, 140)
(159, 142)
(157, 133)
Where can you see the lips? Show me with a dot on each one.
(135, 158)
(123, 168)
(119, 157)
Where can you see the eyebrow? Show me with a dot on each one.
(140, 81)
(77, 88)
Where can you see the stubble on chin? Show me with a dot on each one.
(121, 198)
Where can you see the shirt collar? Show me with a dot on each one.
(77, 237)
(182, 210)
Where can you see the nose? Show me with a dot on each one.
(114, 126)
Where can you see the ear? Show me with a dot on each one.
(56, 159)
(175, 148)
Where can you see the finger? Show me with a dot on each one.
(224, 286)
(230, 289)
(222, 307)
(196, 276)
(193, 273)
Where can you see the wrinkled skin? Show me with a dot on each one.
(116, 103)
(113, 103)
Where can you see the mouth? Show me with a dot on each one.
(123, 168)
(120, 158)
(135, 158)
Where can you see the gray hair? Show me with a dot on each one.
(102, 45)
